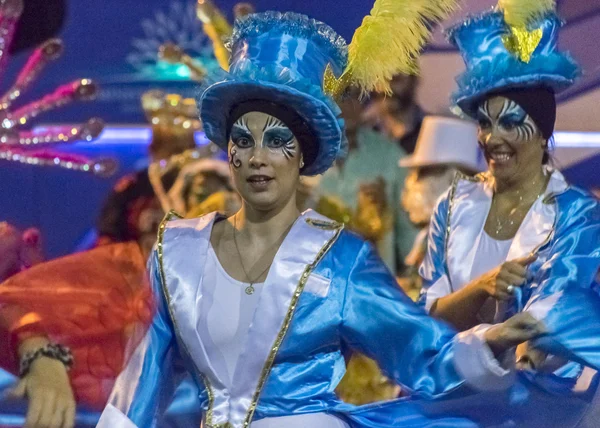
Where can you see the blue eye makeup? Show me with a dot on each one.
(277, 137)
(516, 117)
(483, 121)
(511, 118)
(241, 137)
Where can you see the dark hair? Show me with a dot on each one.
(538, 102)
(547, 158)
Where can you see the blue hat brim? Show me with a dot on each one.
(219, 99)
(469, 103)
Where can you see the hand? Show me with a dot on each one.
(10, 248)
(512, 332)
(529, 358)
(496, 282)
(47, 387)
(32, 252)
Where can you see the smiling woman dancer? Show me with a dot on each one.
(260, 306)
(519, 238)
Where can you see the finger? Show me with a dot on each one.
(19, 390)
(516, 336)
(57, 418)
(512, 279)
(69, 415)
(531, 326)
(34, 410)
(501, 292)
(524, 365)
(527, 260)
(516, 269)
(48, 410)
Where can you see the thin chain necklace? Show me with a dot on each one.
(510, 221)
(250, 288)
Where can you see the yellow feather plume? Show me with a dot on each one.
(519, 13)
(217, 28)
(388, 42)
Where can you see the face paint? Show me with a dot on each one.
(511, 121)
(278, 138)
(265, 158)
(513, 144)
(241, 138)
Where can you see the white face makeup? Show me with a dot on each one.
(275, 136)
(265, 159)
(511, 121)
(511, 140)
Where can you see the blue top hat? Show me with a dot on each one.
(281, 58)
(493, 64)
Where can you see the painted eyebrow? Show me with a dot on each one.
(484, 109)
(283, 131)
(512, 108)
(273, 123)
(242, 123)
(240, 130)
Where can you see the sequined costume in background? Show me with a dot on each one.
(18, 250)
(364, 198)
(30, 289)
(18, 143)
(38, 147)
(134, 209)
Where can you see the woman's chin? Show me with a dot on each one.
(261, 201)
(502, 172)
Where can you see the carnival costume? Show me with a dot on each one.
(515, 47)
(326, 291)
(139, 201)
(96, 303)
(33, 147)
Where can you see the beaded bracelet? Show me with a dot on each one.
(51, 350)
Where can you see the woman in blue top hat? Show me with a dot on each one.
(259, 307)
(519, 238)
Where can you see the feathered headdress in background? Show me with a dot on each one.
(218, 30)
(31, 147)
(387, 43)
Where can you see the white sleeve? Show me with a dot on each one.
(475, 362)
(114, 418)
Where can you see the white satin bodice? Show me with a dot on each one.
(229, 316)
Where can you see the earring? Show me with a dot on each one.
(301, 163)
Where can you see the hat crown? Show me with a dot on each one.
(293, 46)
(480, 39)
(496, 58)
(444, 141)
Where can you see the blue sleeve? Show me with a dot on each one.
(380, 321)
(144, 389)
(436, 282)
(566, 290)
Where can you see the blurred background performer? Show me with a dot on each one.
(445, 146)
(134, 209)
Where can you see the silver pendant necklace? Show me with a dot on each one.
(250, 288)
(511, 220)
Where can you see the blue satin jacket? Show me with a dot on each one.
(327, 290)
(563, 229)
